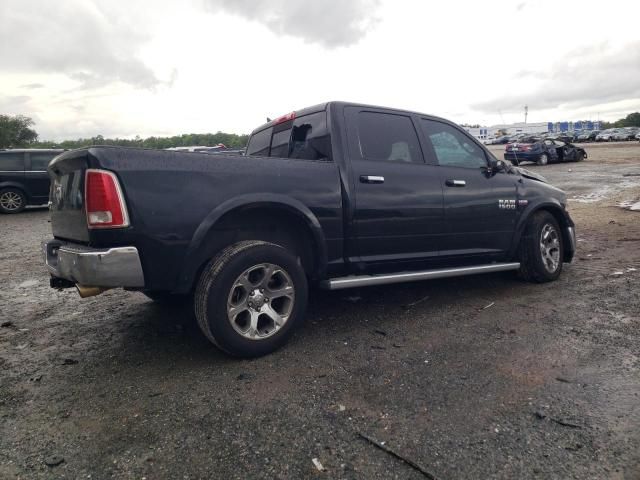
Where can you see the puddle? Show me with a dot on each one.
(631, 205)
(605, 192)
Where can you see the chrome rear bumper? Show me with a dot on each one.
(110, 267)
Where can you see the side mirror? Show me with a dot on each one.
(496, 166)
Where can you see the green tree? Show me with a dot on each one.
(631, 120)
(15, 131)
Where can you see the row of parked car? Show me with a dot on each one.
(609, 135)
(619, 134)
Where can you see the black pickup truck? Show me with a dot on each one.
(337, 195)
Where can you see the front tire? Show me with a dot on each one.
(12, 200)
(543, 160)
(541, 249)
(250, 298)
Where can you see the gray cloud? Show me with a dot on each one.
(331, 23)
(32, 86)
(83, 40)
(585, 77)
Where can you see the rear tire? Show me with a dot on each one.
(250, 298)
(543, 160)
(579, 157)
(12, 200)
(541, 249)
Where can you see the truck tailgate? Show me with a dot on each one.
(68, 219)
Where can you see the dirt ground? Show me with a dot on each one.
(477, 377)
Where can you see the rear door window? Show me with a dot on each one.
(40, 160)
(387, 137)
(10, 161)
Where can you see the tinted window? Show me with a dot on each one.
(306, 137)
(11, 161)
(40, 160)
(310, 138)
(452, 147)
(280, 140)
(259, 143)
(388, 137)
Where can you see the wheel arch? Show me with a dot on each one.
(21, 188)
(18, 186)
(561, 217)
(271, 216)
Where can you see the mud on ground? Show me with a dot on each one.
(478, 377)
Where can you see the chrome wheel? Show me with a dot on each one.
(11, 201)
(261, 301)
(544, 159)
(550, 248)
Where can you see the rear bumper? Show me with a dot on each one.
(109, 267)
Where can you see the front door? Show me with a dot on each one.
(480, 207)
(398, 196)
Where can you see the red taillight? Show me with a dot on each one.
(104, 201)
(285, 118)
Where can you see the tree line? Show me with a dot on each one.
(17, 132)
(631, 120)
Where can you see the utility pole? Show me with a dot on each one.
(526, 112)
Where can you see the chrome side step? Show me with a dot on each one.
(368, 280)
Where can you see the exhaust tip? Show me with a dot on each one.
(85, 292)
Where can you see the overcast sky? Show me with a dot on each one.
(153, 67)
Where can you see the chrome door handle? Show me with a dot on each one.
(455, 183)
(371, 179)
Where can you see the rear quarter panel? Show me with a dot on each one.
(171, 194)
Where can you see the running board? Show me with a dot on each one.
(368, 280)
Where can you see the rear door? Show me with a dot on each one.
(398, 196)
(480, 209)
(12, 169)
(37, 176)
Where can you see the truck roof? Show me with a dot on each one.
(324, 106)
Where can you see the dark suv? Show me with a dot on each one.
(23, 178)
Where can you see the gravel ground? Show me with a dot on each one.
(478, 377)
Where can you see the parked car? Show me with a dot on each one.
(23, 178)
(638, 136)
(606, 135)
(588, 136)
(338, 195)
(625, 134)
(502, 140)
(541, 151)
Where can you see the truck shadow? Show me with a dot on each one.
(170, 333)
